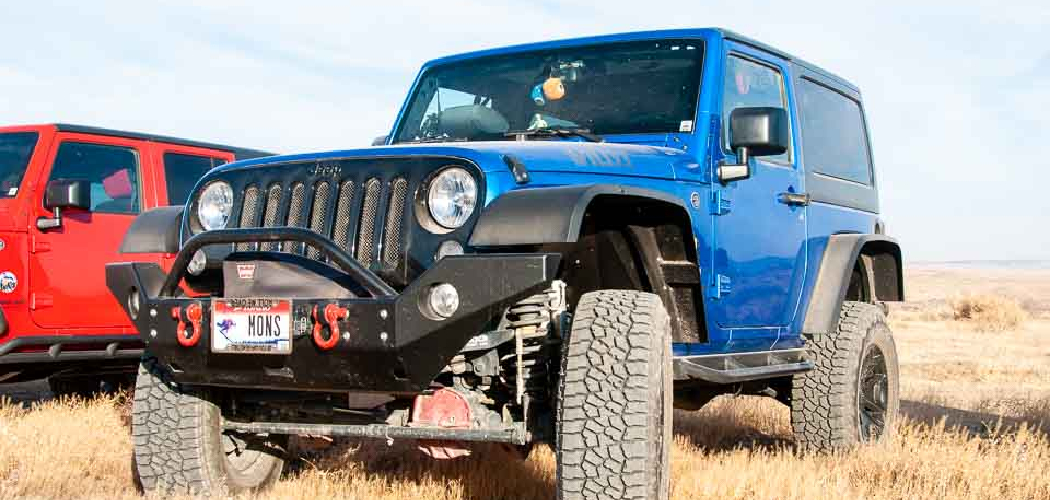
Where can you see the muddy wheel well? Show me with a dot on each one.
(636, 243)
(876, 274)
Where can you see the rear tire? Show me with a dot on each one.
(614, 399)
(180, 446)
(852, 394)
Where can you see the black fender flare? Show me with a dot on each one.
(154, 231)
(880, 262)
(534, 216)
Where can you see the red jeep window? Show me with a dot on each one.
(112, 172)
(182, 172)
(15, 150)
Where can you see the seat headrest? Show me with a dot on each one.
(118, 185)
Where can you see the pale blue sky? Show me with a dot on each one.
(957, 93)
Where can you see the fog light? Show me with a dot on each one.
(450, 247)
(134, 303)
(444, 300)
(197, 263)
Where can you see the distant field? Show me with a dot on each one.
(976, 421)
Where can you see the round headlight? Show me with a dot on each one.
(451, 197)
(215, 205)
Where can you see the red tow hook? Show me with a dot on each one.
(332, 314)
(193, 314)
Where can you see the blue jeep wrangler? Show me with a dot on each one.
(558, 242)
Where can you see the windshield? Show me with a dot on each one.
(618, 88)
(15, 150)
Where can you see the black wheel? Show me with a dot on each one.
(85, 387)
(180, 446)
(851, 396)
(613, 438)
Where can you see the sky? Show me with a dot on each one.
(957, 92)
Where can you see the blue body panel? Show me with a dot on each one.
(757, 256)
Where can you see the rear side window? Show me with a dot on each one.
(15, 150)
(836, 141)
(182, 172)
(111, 171)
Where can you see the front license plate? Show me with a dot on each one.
(251, 326)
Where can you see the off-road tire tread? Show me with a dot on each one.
(167, 431)
(610, 382)
(823, 413)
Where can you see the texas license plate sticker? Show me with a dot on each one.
(251, 326)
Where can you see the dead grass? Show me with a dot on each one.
(989, 313)
(735, 448)
(976, 408)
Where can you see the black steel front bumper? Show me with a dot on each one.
(388, 343)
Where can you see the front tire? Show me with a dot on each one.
(852, 394)
(614, 399)
(180, 446)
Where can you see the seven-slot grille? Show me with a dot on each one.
(364, 217)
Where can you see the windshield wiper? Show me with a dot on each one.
(585, 134)
(427, 140)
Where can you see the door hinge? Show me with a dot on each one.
(720, 205)
(40, 301)
(36, 245)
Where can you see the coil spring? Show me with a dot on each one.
(525, 368)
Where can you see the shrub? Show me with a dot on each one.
(989, 313)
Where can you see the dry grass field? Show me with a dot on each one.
(976, 403)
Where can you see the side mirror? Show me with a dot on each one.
(62, 194)
(754, 132)
(380, 141)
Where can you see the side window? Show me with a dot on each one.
(111, 171)
(750, 84)
(182, 171)
(835, 139)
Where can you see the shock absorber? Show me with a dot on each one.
(536, 322)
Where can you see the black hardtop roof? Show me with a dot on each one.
(737, 37)
(238, 153)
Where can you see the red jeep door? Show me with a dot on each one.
(67, 264)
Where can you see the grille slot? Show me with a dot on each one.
(296, 217)
(341, 231)
(318, 216)
(249, 213)
(273, 206)
(366, 241)
(395, 220)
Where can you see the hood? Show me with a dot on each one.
(606, 158)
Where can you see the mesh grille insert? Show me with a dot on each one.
(341, 231)
(248, 213)
(395, 215)
(296, 217)
(366, 242)
(318, 215)
(273, 206)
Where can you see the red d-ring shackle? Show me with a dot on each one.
(193, 314)
(332, 314)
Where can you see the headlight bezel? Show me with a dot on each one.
(226, 212)
(425, 212)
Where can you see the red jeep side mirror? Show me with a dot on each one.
(61, 194)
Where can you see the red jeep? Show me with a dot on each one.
(68, 194)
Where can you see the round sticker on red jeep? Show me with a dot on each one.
(8, 282)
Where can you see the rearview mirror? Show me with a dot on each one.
(380, 141)
(62, 194)
(758, 131)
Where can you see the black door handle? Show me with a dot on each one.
(794, 199)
